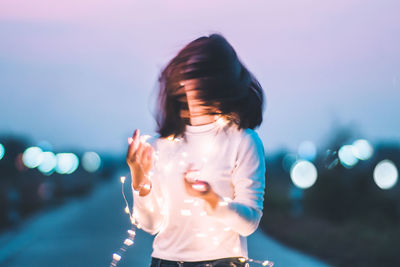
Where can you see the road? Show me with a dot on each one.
(87, 231)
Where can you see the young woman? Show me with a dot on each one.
(199, 184)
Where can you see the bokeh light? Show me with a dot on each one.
(386, 174)
(362, 149)
(303, 174)
(48, 163)
(2, 151)
(32, 157)
(307, 150)
(91, 161)
(67, 163)
(347, 157)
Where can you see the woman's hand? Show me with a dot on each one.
(140, 161)
(198, 188)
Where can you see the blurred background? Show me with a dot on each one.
(78, 77)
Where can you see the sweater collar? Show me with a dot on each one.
(204, 128)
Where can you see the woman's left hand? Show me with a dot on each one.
(198, 188)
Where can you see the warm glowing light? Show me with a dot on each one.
(186, 212)
(303, 174)
(48, 162)
(347, 157)
(91, 161)
(221, 121)
(32, 157)
(131, 232)
(265, 263)
(2, 150)
(242, 259)
(116, 257)
(200, 186)
(386, 174)
(126, 210)
(67, 163)
(147, 186)
(122, 179)
(201, 235)
(223, 203)
(128, 242)
(362, 149)
(307, 150)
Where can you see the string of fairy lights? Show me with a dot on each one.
(130, 239)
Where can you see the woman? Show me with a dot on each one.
(199, 185)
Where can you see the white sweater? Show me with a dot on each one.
(232, 161)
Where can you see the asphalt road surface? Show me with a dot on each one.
(87, 231)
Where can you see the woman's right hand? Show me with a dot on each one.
(139, 159)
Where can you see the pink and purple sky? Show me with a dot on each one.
(82, 74)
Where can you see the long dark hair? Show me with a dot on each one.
(223, 83)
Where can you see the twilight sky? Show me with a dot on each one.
(82, 74)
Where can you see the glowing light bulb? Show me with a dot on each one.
(201, 235)
(126, 210)
(131, 232)
(123, 178)
(200, 186)
(265, 263)
(128, 242)
(186, 212)
(242, 259)
(223, 203)
(116, 257)
(147, 186)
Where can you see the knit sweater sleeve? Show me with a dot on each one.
(147, 210)
(243, 213)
